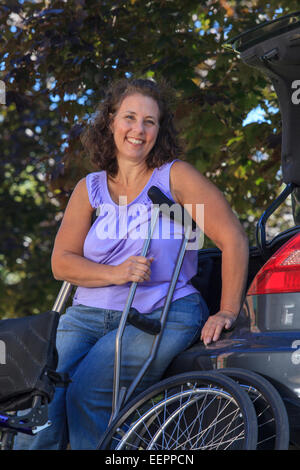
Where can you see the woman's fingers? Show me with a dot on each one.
(140, 268)
(133, 269)
(213, 327)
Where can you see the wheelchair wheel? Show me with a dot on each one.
(272, 418)
(201, 410)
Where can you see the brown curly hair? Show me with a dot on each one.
(97, 139)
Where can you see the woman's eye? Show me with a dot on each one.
(148, 122)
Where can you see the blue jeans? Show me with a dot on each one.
(86, 344)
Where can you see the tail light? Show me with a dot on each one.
(281, 273)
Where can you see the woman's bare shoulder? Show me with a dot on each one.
(79, 200)
(185, 179)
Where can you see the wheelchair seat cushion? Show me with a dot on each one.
(28, 360)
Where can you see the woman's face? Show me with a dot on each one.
(135, 127)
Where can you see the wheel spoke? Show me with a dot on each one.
(203, 411)
(152, 428)
(272, 419)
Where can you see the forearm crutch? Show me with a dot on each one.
(154, 327)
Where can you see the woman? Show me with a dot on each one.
(134, 144)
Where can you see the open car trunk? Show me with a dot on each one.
(274, 48)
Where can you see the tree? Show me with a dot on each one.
(57, 56)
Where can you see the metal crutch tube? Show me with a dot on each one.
(117, 397)
(163, 317)
(62, 297)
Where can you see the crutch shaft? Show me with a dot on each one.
(163, 317)
(123, 320)
(62, 297)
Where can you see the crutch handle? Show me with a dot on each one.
(140, 321)
(158, 197)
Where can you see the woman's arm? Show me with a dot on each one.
(68, 262)
(188, 186)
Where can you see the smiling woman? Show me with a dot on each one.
(134, 145)
(98, 139)
(135, 127)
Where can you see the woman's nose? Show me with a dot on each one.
(139, 127)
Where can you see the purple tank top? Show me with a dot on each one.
(119, 232)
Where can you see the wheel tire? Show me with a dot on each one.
(272, 418)
(197, 410)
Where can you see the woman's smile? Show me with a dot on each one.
(134, 141)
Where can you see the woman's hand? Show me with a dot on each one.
(134, 269)
(214, 325)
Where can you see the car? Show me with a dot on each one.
(265, 338)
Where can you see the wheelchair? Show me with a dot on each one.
(200, 403)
